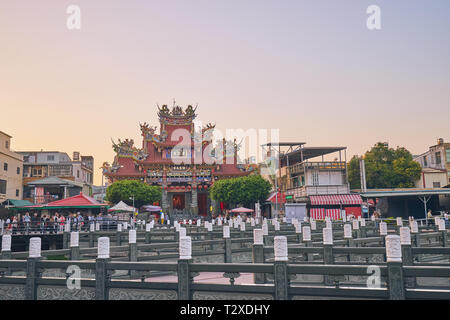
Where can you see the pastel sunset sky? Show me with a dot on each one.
(310, 68)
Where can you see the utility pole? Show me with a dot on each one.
(362, 172)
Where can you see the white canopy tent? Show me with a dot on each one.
(122, 206)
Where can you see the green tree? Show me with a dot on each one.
(125, 189)
(244, 191)
(385, 168)
(354, 173)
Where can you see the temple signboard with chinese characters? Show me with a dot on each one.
(167, 159)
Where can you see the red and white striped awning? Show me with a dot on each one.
(336, 199)
(321, 213)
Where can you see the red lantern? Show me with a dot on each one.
(200, 187)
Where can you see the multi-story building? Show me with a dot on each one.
(40, 165)
(435, 165)
(11, 166)
(305, 176)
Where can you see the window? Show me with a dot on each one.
(50, 158)
(425, 163)
(7, 144)
(448, 155)
(26, 158)
(18, 170)
(37, 172)
(5, 167)
(3, 186)
(436, 184)
(438, 158)
(17, 192)
(78, 173)
(448, 177)
(315, 178)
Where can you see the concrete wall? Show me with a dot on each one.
(14, 161)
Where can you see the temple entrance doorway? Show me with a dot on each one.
(202, 204)
(178, 201)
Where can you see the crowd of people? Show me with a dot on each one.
(54, 222)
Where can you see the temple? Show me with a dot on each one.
(181, 159)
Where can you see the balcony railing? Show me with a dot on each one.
(327, 165)
(306, 191)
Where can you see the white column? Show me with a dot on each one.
(258, 236)
(6, 242)
(327, 236)
(103, 248)
(306, 230)
(393, 249)
(185, 248)
(35, 247)
(74, 239)
(405, 236)
(226, 232)
(383, 228)
(347, 231)
(280, 248)
(132, 236)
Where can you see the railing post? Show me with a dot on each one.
(66, 235)
(356, 231)
(383, 232)
(227, 244)
(210, 235)
(91, 234)
(306, 231)
(328, 252)
(101, 272)
(6, 246)
(258, 254)
(349, 237)
(443, 232)
(407, 257)
(416, 238)
(147, 232)
(6, 250)
(74, 246)
(276, 228)
(280, 275)
(184, 272)
(32, 270)
(132, 249)
(399, 222)
(363, 228)
(394, 267)
(119, 235)
(265, 228)
(298, 231)
(132, 245)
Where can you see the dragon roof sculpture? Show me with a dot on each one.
(126, 149)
